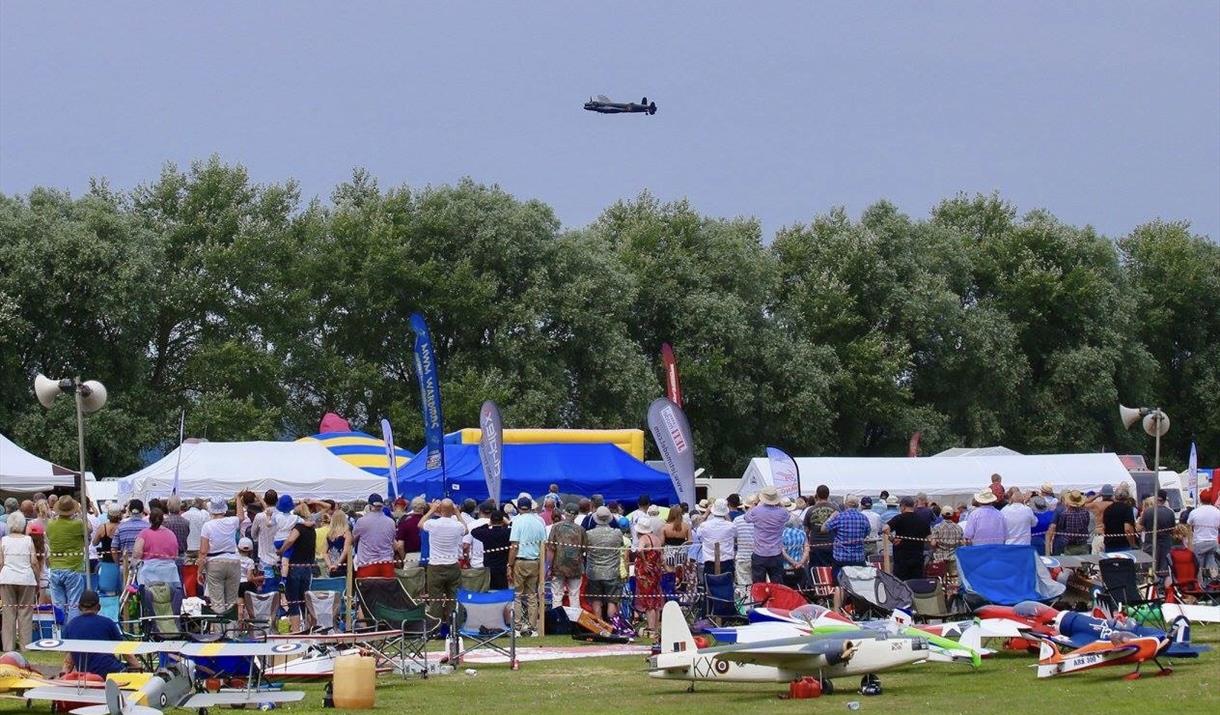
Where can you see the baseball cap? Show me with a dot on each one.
(245, 544)
(525, 503)
(1107, 491)
(866, 502)
(571, 508)
(375, 500)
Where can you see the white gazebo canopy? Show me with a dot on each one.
(945, 479)
(21, 471)
(221, 469)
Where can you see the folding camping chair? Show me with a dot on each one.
(821, 585)
(872, 591)
(1121, 589)
(262, 609)
(322, 609)
(484, 618)
(1185, 578)
(720, 599)
(160, 610)
(387, 605)
(930, 600)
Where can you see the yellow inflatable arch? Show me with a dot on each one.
(630, 441)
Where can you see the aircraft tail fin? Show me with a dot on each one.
(1179, 631)
(675, 634)
(1050, 660)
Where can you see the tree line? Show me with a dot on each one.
(255, 312)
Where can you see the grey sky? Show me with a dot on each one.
(1105, 113)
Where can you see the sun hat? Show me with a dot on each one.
(1047, 488)
(643, 525)
(720, 508)
(985, 496)
(66, 506)
(602, 515)
(571, 508)
(285, 504)
(769, 496)
(891, 500)
(218, 505)
(1074, 498)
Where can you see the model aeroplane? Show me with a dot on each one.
(603, 105)
(172, 687)
(1121, 648)
(16, 675)
(1076, 630)
(813, 619)
(856, 652)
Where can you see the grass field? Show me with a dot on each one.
(1005, 684)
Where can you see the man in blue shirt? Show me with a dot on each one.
(92, 626)
(849, 529)
(525, 542)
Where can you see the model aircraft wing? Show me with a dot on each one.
(242, 697)
(8, 683)
(214, 650)
(816, 652)
(60, 645)
(67, 694)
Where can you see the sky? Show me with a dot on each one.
(1104, 113)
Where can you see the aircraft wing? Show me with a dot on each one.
(242, 697)
(223, 648)
(815, 653)
(67, 694)
(60, 645)
(17, 682)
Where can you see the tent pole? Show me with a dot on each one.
(84, 482)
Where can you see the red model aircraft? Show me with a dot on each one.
(1120, 649)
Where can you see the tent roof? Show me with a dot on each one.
(361, 450)
(996, 451)
(21, 471)
(220, 469)
(577, 469)
(957, 476)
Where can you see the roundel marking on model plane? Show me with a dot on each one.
(721, 666)
(49, 643)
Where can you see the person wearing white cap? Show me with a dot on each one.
(605, 557)
(717, 530)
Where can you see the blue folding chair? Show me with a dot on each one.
(484, 618)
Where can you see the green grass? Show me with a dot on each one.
(1005, 684)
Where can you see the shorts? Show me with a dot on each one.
(287, 552)
(299, 578)
(609, 590)
(244, 587)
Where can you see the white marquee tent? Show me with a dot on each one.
(945, 479)
(21, 471)
(221, 469)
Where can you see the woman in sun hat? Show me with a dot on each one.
(648, 570)
(218, 557)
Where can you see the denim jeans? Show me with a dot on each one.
(66, 587)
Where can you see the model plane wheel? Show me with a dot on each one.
(828, 687)
(1165, 671)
